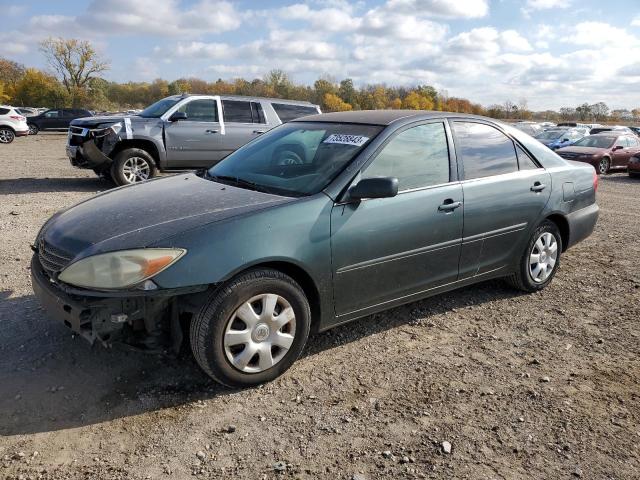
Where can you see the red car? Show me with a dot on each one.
(605, 151)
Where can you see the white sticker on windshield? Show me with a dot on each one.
(357, 140)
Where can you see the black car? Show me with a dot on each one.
(55, 119)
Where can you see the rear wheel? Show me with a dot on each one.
(132, 165)
(540, 260)
(603, 166)
(6, 135)
(33, 129)
(251, 330)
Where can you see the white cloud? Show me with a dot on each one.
(599, 34)
(512, 40)
(636, 21)
(332, 19)
(547, 4)
(441, 8)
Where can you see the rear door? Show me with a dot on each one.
(244, 120)
(50, 119)
(504, 190)
(390, 248)
(197, 141)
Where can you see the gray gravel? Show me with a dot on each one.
(521, 386)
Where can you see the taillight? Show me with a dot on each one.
(20, 118)
(595, 181)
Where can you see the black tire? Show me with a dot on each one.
(634, 174)
(522, 278)
(604, 165)
(7, 135)
(33, 129)
(208, 326)
(123, 160)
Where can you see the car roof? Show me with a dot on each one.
(246, 97)
(383, 117)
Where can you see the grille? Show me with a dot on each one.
(76, 135)
(569, 156)
(52, 259)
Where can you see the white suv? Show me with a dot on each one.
(12, 124)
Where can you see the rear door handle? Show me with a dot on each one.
(211, 131)
(258, 132)
(538, 187)
(449, 205)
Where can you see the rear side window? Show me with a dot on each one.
(288, 112)
(237, 111)
(524, 160)
(52, 114)
(203, 110)
(485, 150)
(418, 157)
(4, 111)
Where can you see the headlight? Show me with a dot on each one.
(103, 132)
(120, 269)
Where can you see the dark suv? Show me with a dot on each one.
(55, 119)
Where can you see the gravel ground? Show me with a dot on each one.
(538, 386)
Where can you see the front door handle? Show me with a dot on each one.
(449, 205)
(538, 187)
(210, 131)
(258, 132)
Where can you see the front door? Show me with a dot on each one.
(505, 191)
(197, 141)
(393, 248)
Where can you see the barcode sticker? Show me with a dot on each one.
(357, 140)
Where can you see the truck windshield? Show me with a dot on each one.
(156, 110)
(295, 159)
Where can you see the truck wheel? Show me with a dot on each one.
(252, 329)
(6, 135)
(540, 260)
(33, 129)
(132, 165)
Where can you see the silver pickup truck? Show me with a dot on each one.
(180, 132)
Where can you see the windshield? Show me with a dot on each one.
(159, 108)
(550, 134)
(595, 141)
(294, 159)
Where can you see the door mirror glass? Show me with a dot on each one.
(178, 116)
(618, 147)
(375, 187)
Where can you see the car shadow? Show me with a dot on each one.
(46, 185)
(52, 380)
(623, 179)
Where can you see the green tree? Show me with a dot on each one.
(37, 89)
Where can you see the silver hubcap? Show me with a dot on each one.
(543, 258)
(32, 129)
(259, 333)
(136, 169)
(6, 136)
(603, 165)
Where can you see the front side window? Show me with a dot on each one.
(52, 114)
(287, 112)
(418, 157)
(202, 110)
(633, 142)
(156, 110)
(295, 159)
(237, 111)
(485, 150)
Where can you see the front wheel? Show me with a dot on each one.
(603, 166)
(132, 165)
(6, 135)
(252, 329)
(540, 260)
(33, 129)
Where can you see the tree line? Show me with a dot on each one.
(75, 80)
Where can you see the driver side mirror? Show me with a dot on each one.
(375, 187)
(178, 116)
(618, 147)
(565, 140)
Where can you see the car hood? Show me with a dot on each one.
(583, 150)
(138, 215)
(93, 122)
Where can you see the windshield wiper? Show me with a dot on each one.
(230, 180)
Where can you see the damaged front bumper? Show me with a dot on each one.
(145, 319)
(91, 148)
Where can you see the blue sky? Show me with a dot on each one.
(551, 53)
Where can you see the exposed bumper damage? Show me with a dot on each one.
(92, 148)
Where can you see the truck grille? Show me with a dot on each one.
(52, 259)
(77, 135)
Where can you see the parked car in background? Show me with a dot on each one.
(633, 167)
(635, 130)
(27, 112)
(530, 128)
(276, 240)
(55, 119)
(178, 133)
(12, 124)
(555, 138)
(605, 151)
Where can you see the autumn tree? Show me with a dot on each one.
(415, 101)
(334, 103)
(37, 88)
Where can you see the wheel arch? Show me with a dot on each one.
(8, 127)
(563, 225)
(146, 145)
